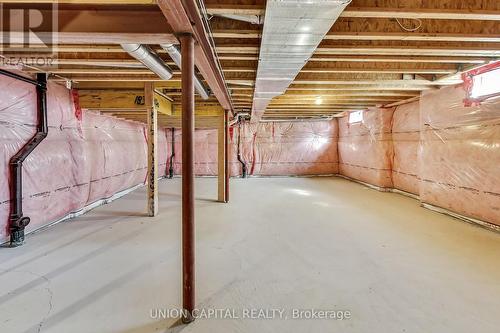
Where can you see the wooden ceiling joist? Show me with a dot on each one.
(360, 63)
(370, 36)
(372, 12)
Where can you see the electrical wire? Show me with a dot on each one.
(410, 29)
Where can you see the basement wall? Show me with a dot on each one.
(460, 154)
(268, 149)
(366, 149)
(85, 158)
(438, 149)
(205, 147)
(290, 148)
(406, 143)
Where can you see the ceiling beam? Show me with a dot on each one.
(367, 58)
(370, 36)
(388, 50)
(373, 12)
(96, 26)
(184, 17)
(422, 13)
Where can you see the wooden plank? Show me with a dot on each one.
(153, 173)
(364, 58)
(403, 51)
(435, 37)
(394, 84)
(370, 36)
(406, 101)
(375, 71)
(132, 99)
(90, 38)
(422, 13)
(215, 9)
(348, 70)
(221, 159)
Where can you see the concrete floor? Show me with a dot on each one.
(292, 243)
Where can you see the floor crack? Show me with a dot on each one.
(51, 296)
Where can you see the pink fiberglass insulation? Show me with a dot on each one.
(406, 140)
(271, 149)
(290, 148)
(460, 154)
(206, 153)
(365, 147)
(81, 160)
(205, 149)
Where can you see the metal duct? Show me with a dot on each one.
(175, 54)
(150, 59)
(292, 31)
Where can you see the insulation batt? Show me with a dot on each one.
(406, 141)
(460, 154)
(365, 148)
(80, 161)
(269, 149)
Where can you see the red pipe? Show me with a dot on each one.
(188, 231)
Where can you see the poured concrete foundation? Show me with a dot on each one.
(281, 243)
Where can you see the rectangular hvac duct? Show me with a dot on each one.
(292, 31)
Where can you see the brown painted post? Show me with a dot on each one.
(188, 227)
(152, 179)
(226, 160)
(221, 158)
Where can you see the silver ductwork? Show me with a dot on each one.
(150, 59)
(175, 54)
(292, 31)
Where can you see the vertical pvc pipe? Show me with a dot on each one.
(188, 227)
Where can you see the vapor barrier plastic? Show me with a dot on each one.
(269, 149)
(290, 148)
(205, 148)
(460, 154)
(406, 141)
(365, 147)
(82, 160)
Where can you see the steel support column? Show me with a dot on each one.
(221, 158)
(188, 227)
(226, 159)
